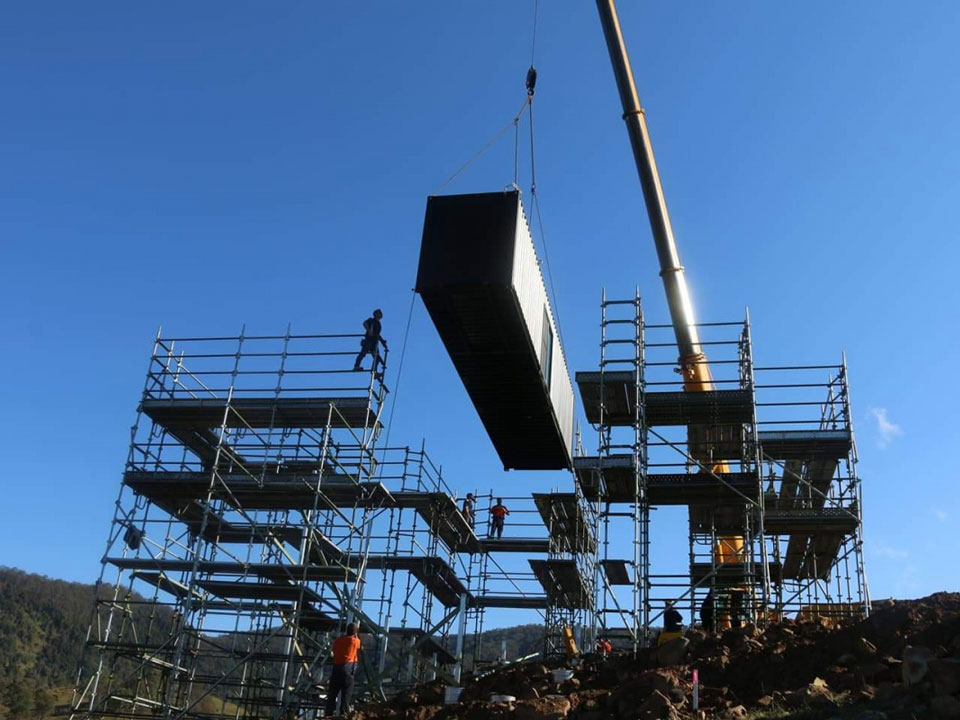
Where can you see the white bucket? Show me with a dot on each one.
(561, 675)
(502, 698)
(451, 694)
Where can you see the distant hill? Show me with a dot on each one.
(43, 627)
(43, 623)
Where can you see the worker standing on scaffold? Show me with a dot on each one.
(470, 509)
(345, 651)
(498, 514)
(370, 341)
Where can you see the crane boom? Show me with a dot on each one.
(692, 361)
(671, 271)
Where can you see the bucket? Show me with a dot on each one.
(502, 698)
(451, 694)
(561, 675)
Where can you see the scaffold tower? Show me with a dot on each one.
(614, 481)
(257, 516)
(813, 498)
(755, 553)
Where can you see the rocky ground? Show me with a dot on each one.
(902, 662)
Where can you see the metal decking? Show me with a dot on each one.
(443, 517)
(830, 521)
(260, 412)
(270, 491)
(617, 571)
(563, 583)
(805, 444)
(704, 488)
(564, 518)
(515, 545)
(714, 407)
(512, 602)
(434, 573)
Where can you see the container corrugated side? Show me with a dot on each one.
(531, 293)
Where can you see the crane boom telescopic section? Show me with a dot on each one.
(674, 281)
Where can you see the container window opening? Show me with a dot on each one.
(546, 348)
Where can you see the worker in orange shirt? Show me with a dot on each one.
(345, 651)
(497, 514)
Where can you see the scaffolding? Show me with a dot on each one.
(813, 520)
(541, 563)
(795, 547)
(256, 518)
(258, 515)
(614, 481)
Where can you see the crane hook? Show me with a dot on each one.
(531, 80)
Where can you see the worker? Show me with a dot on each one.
(498, 514)
(603, 647)
(470, 509)
(706, 612)
(371, 338)
(345, 651)
(672, 619)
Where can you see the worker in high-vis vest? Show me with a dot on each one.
(498, 514)
(345, 651)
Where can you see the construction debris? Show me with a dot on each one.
(902, 662)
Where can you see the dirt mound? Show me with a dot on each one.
(902, 662)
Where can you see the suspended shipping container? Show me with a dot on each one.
(481, 283)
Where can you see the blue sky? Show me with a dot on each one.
(202, 166)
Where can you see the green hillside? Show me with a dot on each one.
(43, 627)
(43, 623)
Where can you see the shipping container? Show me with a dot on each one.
(480, 280)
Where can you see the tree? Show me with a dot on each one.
(18, 700)
(42, 702)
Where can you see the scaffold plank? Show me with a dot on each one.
(796, 553)
(563, 516)
(564, 585)
(617, 572)
(515, 545)
(192, 514)
(271, 492)
(792, 473)
(323, 550)
(730, 519)
(272, 571)
(820, 474)
(166, 584)
(713, 407)
(612, 476)
(261, 412)
(620, 396)
(805, 444)
(621, 484)
(821, 555)
(433, 572)
(713, 489)
(233, 589)
(443, 517)
(517, 602)
(829, 521)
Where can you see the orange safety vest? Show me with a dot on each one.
(345, 649)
